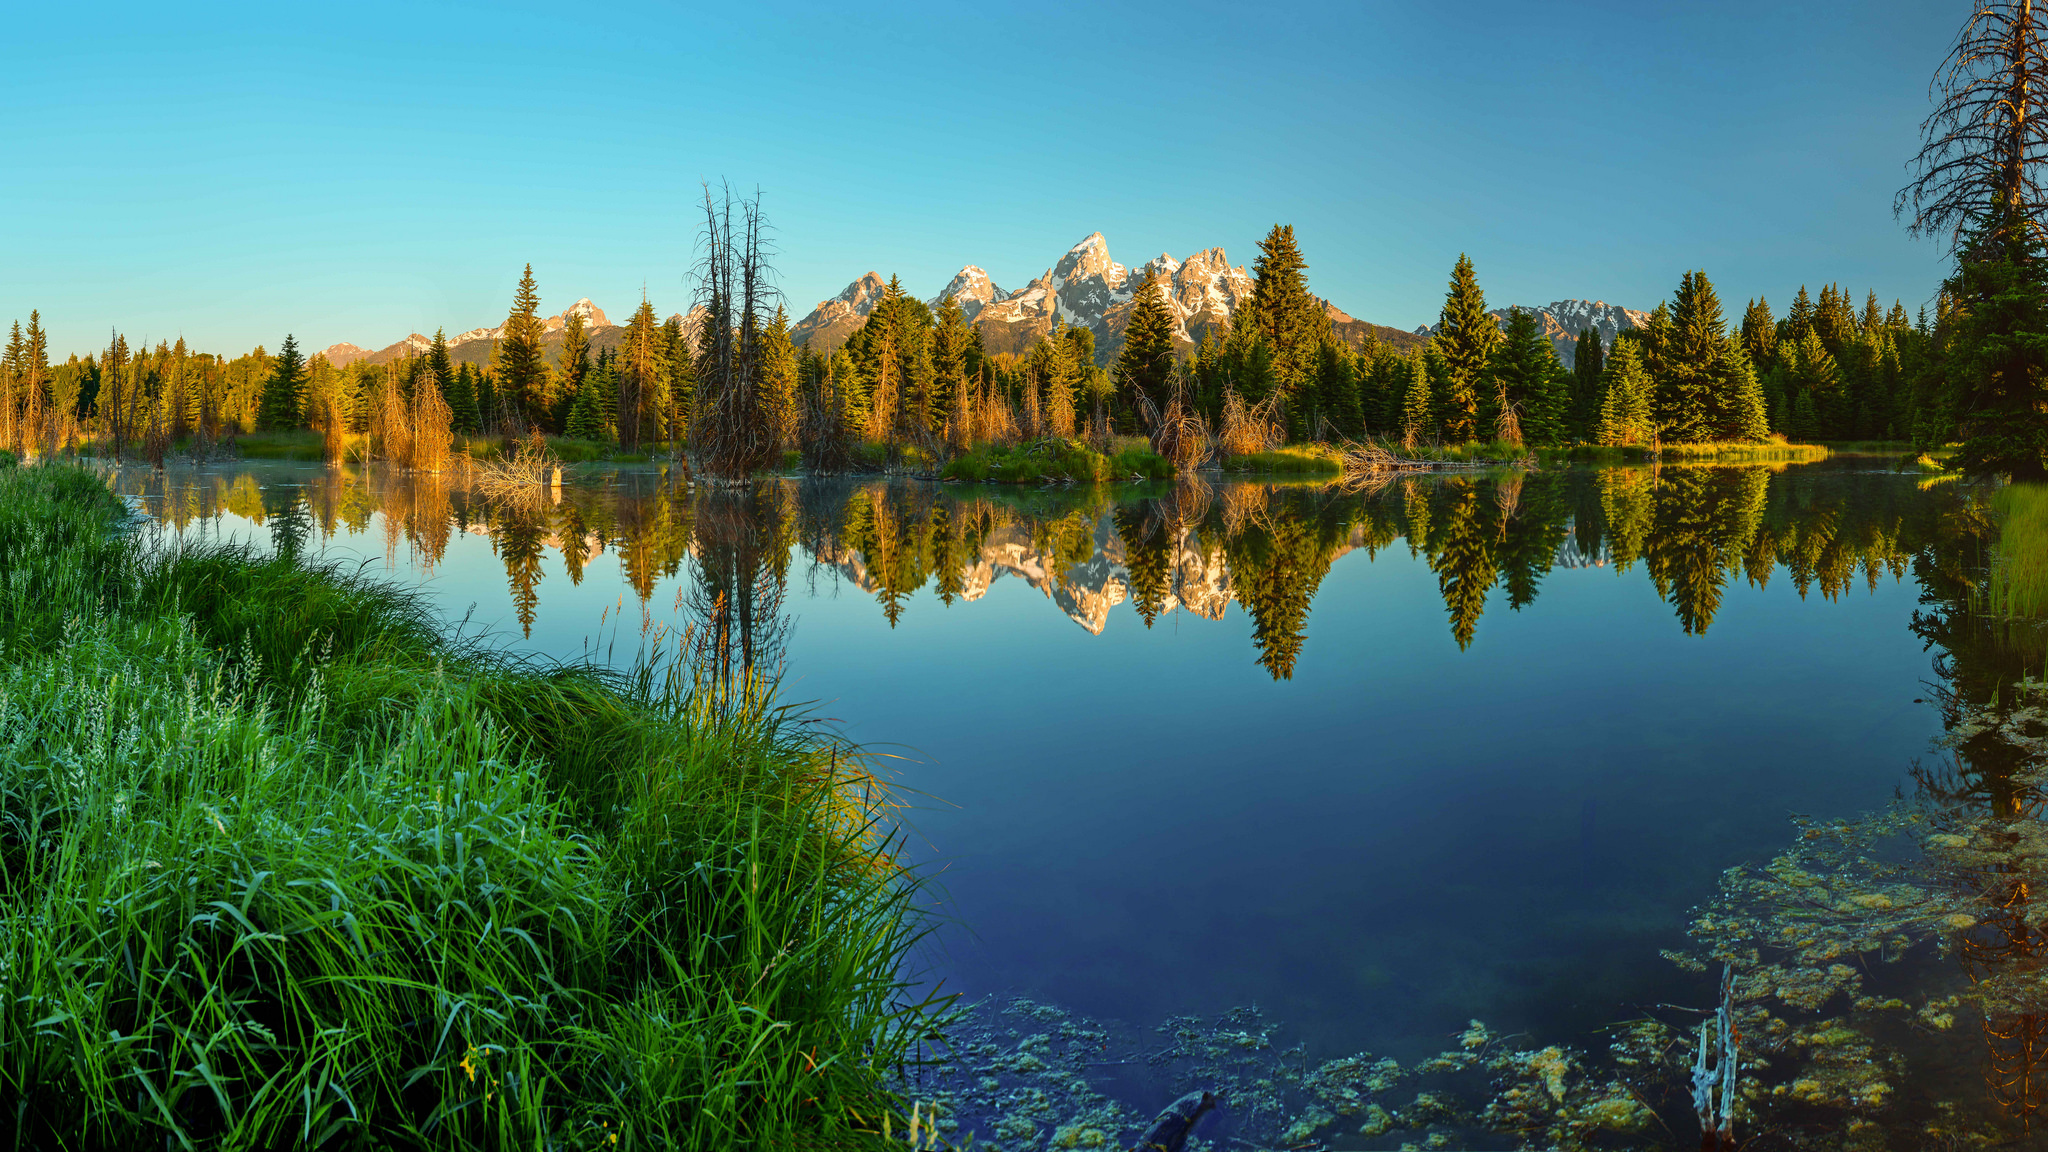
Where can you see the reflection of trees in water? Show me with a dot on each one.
(737, 628)
(1989, 787)
(1691, 529)
(1961, 861)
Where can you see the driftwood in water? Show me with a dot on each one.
(1714, 1071)
(1371, 458)
(1169, 1133)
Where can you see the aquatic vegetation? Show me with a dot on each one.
(2019, 572)
(281, 861)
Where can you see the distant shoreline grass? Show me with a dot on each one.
(2019, 568)
(282, 863)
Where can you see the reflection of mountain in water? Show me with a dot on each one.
(1692, 530)
(1086, 591)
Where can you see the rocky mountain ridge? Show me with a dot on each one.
(475, 345)
(1563, 320)
(1085, 592)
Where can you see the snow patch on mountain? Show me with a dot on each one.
(970, 289)
(1563, 320)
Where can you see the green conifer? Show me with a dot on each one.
(574, 366)
(442, 364)
(1625, 409)
(1418, 409)
(641, 361)
(1589, 361)
(522, 373)
(283, 393)
(1292, 321)
(1145, 365)
(1465, 338)
(1525, 375)
(1760, 334)
(462, 406)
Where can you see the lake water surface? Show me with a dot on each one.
(1377, 762)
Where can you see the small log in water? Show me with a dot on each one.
(1363, 462)
(1169, 1133)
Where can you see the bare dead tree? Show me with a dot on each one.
(1982, 146)
(735, 430)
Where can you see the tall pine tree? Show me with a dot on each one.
(1145, 366)
(283, 393)
(521, 370)
(574, 359)
(1282, 311)
(1589, 361)
(1465, 338)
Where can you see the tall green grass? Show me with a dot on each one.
(2019, 569)
(284, 864)
(1071, 462)
(1292, 460)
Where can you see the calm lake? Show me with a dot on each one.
(1377, 762)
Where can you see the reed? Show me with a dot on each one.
(284, 863)
(2019, 567)
(1246, 429)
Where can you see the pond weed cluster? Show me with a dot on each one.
(282, 863)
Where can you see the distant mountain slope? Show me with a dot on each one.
(1563, 320)
(1084, 288)
(832, 321)
(1354, 332)
(343, 354)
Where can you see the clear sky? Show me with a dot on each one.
(360, 171)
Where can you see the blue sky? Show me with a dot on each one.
(360, 171)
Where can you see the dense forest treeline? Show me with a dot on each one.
(915, 375)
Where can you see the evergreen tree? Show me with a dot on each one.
(679, 363)
(775, 378)
(521, 370)
(952, 346)
(1996, 365)
(1625, 411)
(1589, 360)
(1740, 411)
(1292, 322)
(1760, 334)
(574, 360)
(442, 364)
(1465, 338)
(1145, 366)
(1797, 321)
(1706, 386)
(1336, 389)
(283, 399)
(462, 406)
(1418, 409)
(640, 392)
(604, 378)
(1816, 388)
(10, 361)
(1525, 374)
(35, 368)
(586, 411)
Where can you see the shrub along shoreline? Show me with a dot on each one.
(284, 864)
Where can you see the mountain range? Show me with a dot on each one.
(1563, 320)
(475, 345)
(1084, 288)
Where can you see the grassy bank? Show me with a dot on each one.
(2019, 572)
(1055, 462)
(306, 446)
(281, 863)
(1773, 451)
